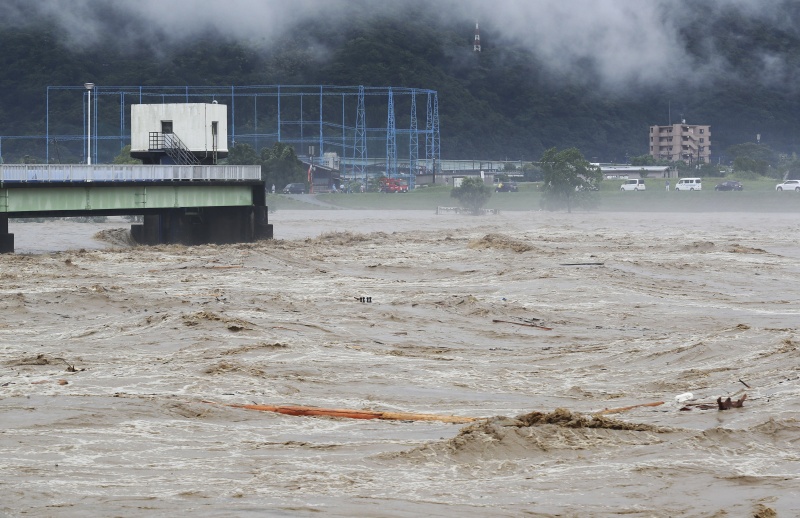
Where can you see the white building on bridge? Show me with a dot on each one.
(181, 133)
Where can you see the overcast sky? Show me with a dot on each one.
(626, 41)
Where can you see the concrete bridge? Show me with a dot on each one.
(187, 204)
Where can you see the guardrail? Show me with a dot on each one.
(35, 173)
(459, 210)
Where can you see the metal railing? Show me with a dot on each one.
(38, 173)
(173, 146)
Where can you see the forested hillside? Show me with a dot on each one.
(503, 102)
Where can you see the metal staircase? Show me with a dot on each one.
(174, 148)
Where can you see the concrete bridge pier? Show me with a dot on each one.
(227, 225)
(181, 226)
(6, 239)
(218, 225)
(170, 226)
(149, 232)
(263, 228)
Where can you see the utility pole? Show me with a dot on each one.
(89, 87)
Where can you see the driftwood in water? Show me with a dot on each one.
(528, 324)
(721, 404)
(725, 405)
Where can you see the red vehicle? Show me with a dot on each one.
(393, 185)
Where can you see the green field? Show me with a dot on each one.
(758, 196)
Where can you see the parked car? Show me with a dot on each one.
(788, 185)
(729, 186)
(295, 188)
(633, 185)
(508, 186)
(689, 184)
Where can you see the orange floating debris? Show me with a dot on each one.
(354, 414)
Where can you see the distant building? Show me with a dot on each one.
(624, 172)
(331, 160)
(322, 178)
(690, 143)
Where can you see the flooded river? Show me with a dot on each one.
(567, 336)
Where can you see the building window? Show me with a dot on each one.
(166, 126)
(702, 130)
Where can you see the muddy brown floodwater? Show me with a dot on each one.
(117, 363)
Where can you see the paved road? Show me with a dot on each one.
(310, 198)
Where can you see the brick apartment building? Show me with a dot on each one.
(690, 143)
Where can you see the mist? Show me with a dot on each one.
(618, 44)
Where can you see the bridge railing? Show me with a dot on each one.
(45, 173)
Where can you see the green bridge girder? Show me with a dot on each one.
(96, 197)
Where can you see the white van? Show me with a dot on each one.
(689, 184)
(632, 185)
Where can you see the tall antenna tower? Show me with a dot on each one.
(476, 45)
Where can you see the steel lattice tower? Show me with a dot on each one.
(391, 140)
(360, 145)
(432, 140)
(413, 141)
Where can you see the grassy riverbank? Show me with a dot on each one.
(758, 196)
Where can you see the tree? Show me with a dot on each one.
(643, 160)
(473, 194)
(124, 157)
(28, 159)
(243, 154)
(753, 151)
(709, 170)
(744, 163)
(568, 179)
(532, 172)
(788, 169)
(280, 165)
(375, 183)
